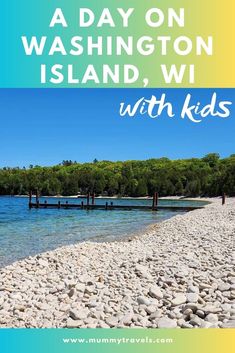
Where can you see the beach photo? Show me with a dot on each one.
(117, 210)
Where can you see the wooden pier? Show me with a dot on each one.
(106, 206)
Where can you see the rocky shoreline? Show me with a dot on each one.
(181, 273)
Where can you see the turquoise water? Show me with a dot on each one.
(25, 232)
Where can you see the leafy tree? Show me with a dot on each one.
(179, 188)
(141, 188)
(212, 159)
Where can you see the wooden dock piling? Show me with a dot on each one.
(88, 199)
(155, 201)
(37, 199)
(223, 199)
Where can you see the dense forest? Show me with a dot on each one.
(208, 176)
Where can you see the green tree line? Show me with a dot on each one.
(207, 176)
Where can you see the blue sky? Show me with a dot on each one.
(46, 126)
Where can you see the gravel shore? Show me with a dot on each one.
(181, 273)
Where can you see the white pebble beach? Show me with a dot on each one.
(180, 273)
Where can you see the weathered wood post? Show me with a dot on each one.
(223, 199)
(153, 204)
(59, 204)
(88, 199)
(155, 201)
(93, 199)
(82, 205)
(106, 205)
(30, 199)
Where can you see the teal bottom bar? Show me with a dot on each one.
(116, 340)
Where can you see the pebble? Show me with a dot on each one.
(43, 263)
(229, 324)
(142, 271)
(73, 323)
(79, 314)
(192, 297)
(211, 309)
(156, 315)
(166, 323)
(143, 300)
(212, 318)
(224, 287)
(193, 289)
(195, 320)
(80, 287)
(112, 321)
(127, 319)
(200, 313)
(150, 309)
(179, 299)
(155, 292)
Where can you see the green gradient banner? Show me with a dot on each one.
(204, 55)
(115, 341)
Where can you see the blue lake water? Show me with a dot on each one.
(25, 232)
